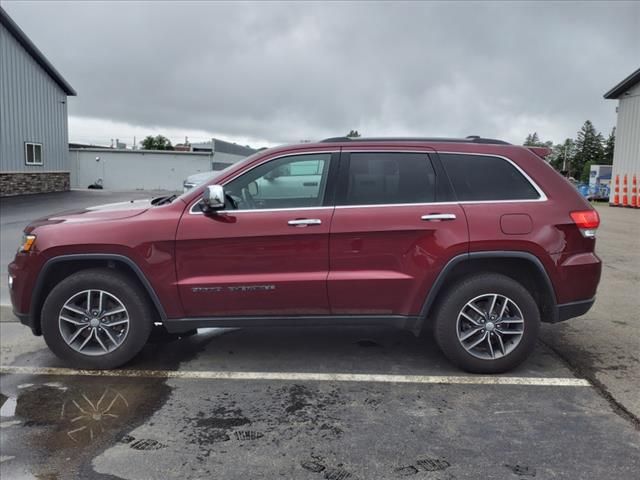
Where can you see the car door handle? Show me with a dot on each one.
(436, 217)
(304, 222)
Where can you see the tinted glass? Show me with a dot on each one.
(29, 152)
(481, 177)
(290, 182)
(387, 178)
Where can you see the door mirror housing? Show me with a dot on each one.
(213, 198)
(253, 189)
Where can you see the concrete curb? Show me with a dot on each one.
(6, 314)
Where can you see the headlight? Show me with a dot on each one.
(27, 243)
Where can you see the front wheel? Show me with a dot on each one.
(487, 323)
(97, 319)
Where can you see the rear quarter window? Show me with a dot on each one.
(484, 177)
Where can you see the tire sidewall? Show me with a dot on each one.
(446, 322)
(140, 320)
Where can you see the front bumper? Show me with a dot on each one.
(21, 287)
(27, 320)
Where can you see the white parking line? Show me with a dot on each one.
(302, 377)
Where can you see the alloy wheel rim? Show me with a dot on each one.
(490, 326)
(93, 322)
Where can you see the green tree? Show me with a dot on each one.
(353, 134)
(609, 145)
(588, 150)
(562, 155)
(532, 140)
(586, 170)
(159, 142)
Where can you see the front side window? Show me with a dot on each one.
(390, 178)
(290, 182)
(33, 153)
(485, 178)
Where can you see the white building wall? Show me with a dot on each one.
(135, 169)
(626, 155)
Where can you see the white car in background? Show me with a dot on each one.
(199, 178)
(196, 179)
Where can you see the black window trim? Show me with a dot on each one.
(329, 191)
(542, 197)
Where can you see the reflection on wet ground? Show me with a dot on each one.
(64, 422)
(68, 427)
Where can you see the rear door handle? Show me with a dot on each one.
(304, 222)
(436, 217)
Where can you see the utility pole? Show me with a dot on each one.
(212, 153)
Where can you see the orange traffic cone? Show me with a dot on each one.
(616, 192)
(625, 199)
(634, 192)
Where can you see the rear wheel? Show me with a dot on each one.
(96, 318)
(487, 323)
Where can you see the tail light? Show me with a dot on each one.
(587, 221)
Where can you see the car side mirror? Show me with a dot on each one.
(213, 198)
(253, 189)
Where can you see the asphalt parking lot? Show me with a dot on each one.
(334, 404)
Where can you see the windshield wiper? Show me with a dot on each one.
(162, 200)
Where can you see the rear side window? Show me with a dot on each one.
(482, 177)
(390, 178)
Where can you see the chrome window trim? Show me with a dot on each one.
(291, 154)
(542, 195)
(385, 205)
(258, 210)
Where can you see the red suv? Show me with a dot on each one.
(479, 238)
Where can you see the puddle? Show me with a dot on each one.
(54, 429)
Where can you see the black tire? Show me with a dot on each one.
(457, 296)
(113, 282)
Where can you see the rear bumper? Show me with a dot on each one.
(566, 311)
(577, 278)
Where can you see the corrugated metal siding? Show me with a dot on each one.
(33, 108)
(135, 169)
(626, 156)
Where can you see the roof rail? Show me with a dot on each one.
(469, 139)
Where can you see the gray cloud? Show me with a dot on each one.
(289, 71)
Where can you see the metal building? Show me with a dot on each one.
(34, 152)
(224, 153)
(626, 155)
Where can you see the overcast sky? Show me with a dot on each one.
(274, 73)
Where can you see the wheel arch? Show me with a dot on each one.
(66, 265)
(523, 267)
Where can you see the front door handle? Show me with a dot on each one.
(436, 217)
(304, 222)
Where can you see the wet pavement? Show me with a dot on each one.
(73, 426)
(261, 403)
